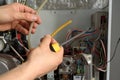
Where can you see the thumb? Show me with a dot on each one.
(26, 16)
(46, 40)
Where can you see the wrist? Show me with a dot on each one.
(29, 70)
(34, 68)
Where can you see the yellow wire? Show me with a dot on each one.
(31, 26)
(53, 34)
(61, 27)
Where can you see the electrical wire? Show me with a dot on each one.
(16, 53)
(87, 33)
(101, 53)
(77, 36)
(103, 46)
(6, 42)
(114, 53)
(31, 26)
(61, 27)
(27, 50)
(113, 56)
(70, 32)
(71, 39)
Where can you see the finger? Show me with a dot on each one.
(46, 41)
(33, 31)
(33, 28)
(24, 8)
(35, 25)
(25, 24)
(38, 21)
(53, 41)
(60, 54)
(21, 29)
(14, 24)
(27, 16)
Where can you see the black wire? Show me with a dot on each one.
(114, 53)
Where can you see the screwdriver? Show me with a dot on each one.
(56, 46)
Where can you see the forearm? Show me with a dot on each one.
(23, 72)
(41, 60)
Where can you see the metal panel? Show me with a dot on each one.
(114, 34)
(52, 19)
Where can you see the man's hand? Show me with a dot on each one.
(43, 59)
(19, 17)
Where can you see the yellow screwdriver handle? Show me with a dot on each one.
(55, 47)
